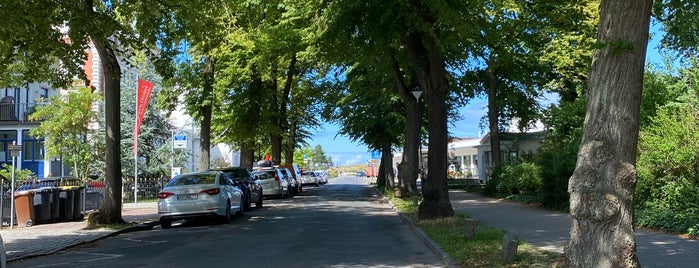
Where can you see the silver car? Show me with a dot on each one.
(199, 194)
(309, 178)
(322, 176)
(273, 182)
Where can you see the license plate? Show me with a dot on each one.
(187, 196)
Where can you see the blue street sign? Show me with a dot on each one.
(180, 142)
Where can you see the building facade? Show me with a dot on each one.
(16, 104)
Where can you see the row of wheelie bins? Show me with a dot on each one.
(48, 202)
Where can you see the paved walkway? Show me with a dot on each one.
(551, 230)
(43, 239)
(541, 228)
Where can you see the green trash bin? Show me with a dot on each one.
(65, 203)
(24, 207)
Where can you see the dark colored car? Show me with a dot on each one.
(294, 183)
(252, 190)
(360, 173)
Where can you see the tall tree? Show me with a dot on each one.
(369, 110)
(603, 184)
(512, 74)
(65, 124)
(47, 31)
(427, 36)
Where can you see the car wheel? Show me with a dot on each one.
(227, 217)
(165, 223)
(258, 204)
(247, 204)
(317, 184)
(243, 205)
(300, 188)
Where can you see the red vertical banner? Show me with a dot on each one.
(142, 98)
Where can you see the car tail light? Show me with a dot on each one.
(212, 191)
(276, 177)
(163, 195)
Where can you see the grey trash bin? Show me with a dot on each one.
(42, 205)
(66, 205)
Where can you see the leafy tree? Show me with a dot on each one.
(680, 25)
(426, 36)
(155, 137)
(558, 153)
(20, 176)
(66, 127)
(39, 33)
(511, 72)
(667, 189)
(369, 110)
(603, 184)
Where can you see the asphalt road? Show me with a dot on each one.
(341, 224)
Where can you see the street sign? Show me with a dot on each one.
(14, 149)
(180, 142)
(176, 171)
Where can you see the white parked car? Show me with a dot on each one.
(309, 178)
(199, 194)
(273, 182)
(322, 176)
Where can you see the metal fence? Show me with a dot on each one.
(91, 196)
(147, 189)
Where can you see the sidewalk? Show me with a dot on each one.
(538, 227)
(43, 239)
(551, 230)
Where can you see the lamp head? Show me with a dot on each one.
(417, 92)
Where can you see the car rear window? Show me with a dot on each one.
(308, 174)
(193, 180)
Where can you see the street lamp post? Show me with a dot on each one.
(417, 92)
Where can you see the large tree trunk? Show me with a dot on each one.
(603, 184)
(493, 121)
(408, 167)
(385, 177)
(285, 123)
(110, 212)
(205, 125)
(423, 51)
(290, 145)
(247, 154)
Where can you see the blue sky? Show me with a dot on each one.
(344, 152)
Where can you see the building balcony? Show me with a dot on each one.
(14, 113)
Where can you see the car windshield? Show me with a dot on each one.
(193, 179)
(237, 174)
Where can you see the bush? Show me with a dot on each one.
(520, 179)
(668, 220)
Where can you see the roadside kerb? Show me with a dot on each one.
(448, 261)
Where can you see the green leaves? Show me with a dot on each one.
(65, 126)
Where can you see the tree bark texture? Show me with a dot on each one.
(494, 121)
(386, 175)
(247, 154)
(205, 124)
(290, 145)
(110, 212)
(603, 184)
(408, 167)
(426, 58)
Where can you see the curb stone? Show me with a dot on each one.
(134, 228)
(448, 261)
